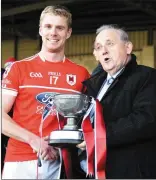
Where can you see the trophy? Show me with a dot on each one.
(72, 107)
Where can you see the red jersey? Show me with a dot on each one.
(34, 83)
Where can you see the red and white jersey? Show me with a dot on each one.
(34, 83)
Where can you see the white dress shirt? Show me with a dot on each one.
(106, 84)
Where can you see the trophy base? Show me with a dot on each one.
(65, 138)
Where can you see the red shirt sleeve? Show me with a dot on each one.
(10, 81)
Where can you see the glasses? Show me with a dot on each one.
(99, 47)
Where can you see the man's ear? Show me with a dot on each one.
(40, 31)
(95, 55)
(129, 47)
(69, 33)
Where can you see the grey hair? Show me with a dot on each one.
(123, 34)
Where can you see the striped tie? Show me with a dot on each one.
(110, 80)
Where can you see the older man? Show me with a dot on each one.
(127, 93)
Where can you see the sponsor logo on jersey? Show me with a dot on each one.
(47, 98)
(71, 79)
(36, 75)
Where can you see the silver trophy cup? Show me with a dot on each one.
(72, 107)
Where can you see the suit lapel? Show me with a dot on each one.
(110, 88)
(94, 83)
(113, 84)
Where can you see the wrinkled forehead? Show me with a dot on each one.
(108, 35)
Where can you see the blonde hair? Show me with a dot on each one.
(58, 11)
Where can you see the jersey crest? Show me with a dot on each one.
(71, 79)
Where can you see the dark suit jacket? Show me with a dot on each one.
(129, 110)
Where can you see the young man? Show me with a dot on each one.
(127, 94)
(30, 85)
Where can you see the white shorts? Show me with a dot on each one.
(28, 170)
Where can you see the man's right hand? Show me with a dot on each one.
(42, 149)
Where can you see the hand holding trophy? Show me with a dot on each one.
(72, 107)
